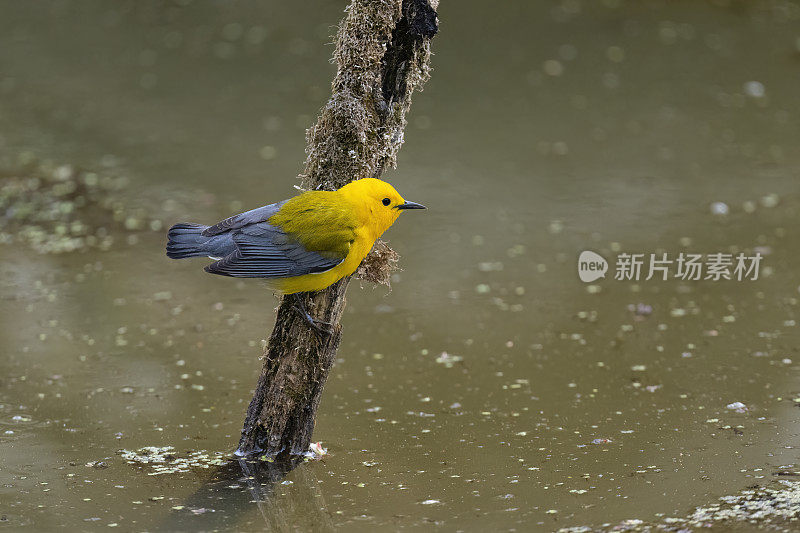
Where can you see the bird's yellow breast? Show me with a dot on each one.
(359, 249)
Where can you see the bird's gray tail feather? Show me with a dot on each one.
(187, 240)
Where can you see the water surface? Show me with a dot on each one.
(547, 129)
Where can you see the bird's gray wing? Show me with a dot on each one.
(253, 216)
(265, 251)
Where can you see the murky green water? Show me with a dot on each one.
(547, 129)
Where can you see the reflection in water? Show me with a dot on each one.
(228, 498)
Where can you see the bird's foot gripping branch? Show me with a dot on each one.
(382, 53)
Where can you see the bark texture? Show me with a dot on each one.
(382, 54)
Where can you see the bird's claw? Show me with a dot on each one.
(318, 326)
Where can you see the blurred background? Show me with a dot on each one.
(490, 388)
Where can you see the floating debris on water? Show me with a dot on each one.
(739, 407)
(316, 451)
(164, 460)
(640, 309)
(448, 360)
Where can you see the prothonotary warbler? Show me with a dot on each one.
(305, 243)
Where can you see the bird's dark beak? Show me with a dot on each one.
(410, 205)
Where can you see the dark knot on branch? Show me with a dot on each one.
(418, 23)
(421, 18)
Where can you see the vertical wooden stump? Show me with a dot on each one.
(383, 54)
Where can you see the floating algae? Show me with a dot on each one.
(776, 506)
(164, 460)
(57, 209)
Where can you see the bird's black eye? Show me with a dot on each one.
(386, 201)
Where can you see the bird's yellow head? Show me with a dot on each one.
(378, 204)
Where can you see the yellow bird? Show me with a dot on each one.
(302, 244)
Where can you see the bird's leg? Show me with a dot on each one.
(316, 325)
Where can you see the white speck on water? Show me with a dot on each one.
(739, 407)
(719, 208)
(430, 502)
(553, 67)
(770, 200)
(268, 152)
(755, 89)
(448, 360)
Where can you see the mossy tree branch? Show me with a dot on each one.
(383, 56)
